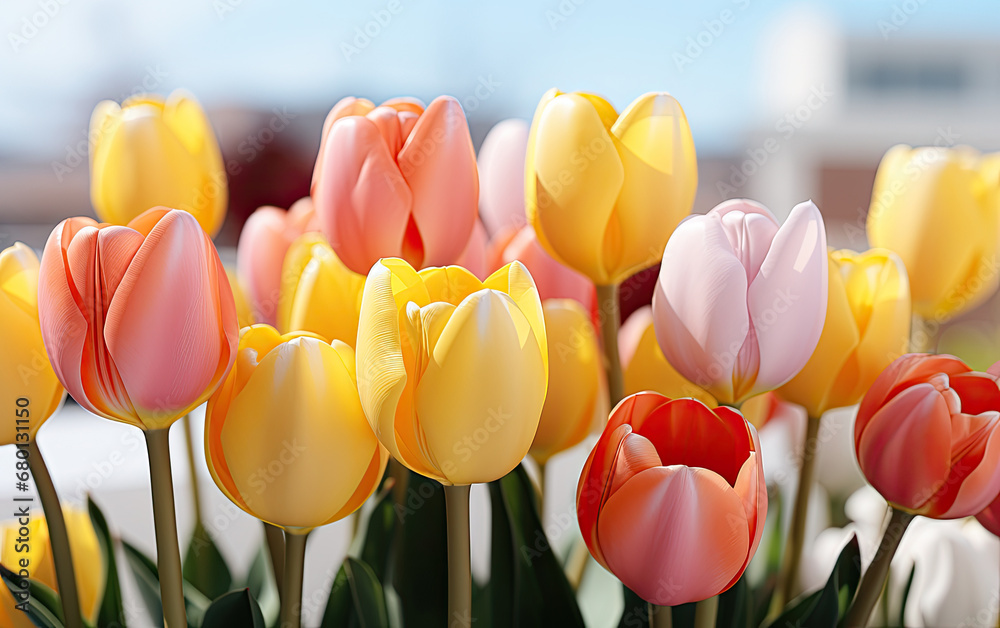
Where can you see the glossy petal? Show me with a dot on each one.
(501, 176)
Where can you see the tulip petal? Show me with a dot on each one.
(898, 376)
(552, 279)
(501, 176)
(973, 481)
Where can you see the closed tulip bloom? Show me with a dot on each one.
(867, 326)
(138, 321)
(926, 436)
(292, 398)
(645, 368)
(318, 293)
(740, 301)
(474, 258)
(264, 241)
(672, 499)
(88, 563)
(604, 191)
(244, 313)
(28, 385)
(452, 371)
(501, 176)
(396, 180)
(939, 210)
(151, 151)
(575, 403)
(990, 516)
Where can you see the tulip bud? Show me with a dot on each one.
(88, 563)
(867, 326)
(31, 393)
(740, 301)
(318, 293)
(452, 371)
(939, 210)
(501, 176)
(396, 181)
(604, 191)
(672, 499)
(291, 402)
(926, 436)
(244, 313)
(149, 152)
(138, 321)
(575, 402)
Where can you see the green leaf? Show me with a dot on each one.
(906, 595)
(111, 613)
(529, 587)
(379, 531)
(420, 553)
(735, 606)
(204, 567)
(636, 611)
(356, 598)
(260, 581)
(237, 608)
(44, 608)
(823, 608)
(148, 580)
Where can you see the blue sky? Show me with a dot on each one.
(266, 53)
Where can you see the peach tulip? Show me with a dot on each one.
(266, 237)
(672, 499)
(927, 436)
(138, 321)
(741, 299)
(474, 258)
(990, 516)
(396, 180)
(501, 176)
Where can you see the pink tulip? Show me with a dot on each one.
(396, 181)
(553, 280)
(266, 237)
(927, 436)
(501, 176)
(741, 300)
(138, 321)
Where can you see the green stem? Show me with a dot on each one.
(660, 616)
(193, 470)
(456, 499)
(797, 533)
(705, 612)
(58, 537)
(276, 551)
(874, 579)
(291, 596)
(610, 315)
(168, 553)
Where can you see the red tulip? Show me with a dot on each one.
(138, 321)
(927, 436)
(672, 499)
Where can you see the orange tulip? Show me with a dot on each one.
(138, 321)
(396, 180)
(672, 499)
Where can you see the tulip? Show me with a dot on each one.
(244, 313)
(553, 280)
(672, 499)
(939, 210)
(86, 551)
(605, 191)
(396, 181)
(473, 258)
(644, 366)
(29, 385)
(138, 321)
(318, 293)
(451, 370)
(501, 176)
(148, 152)
(575, 403)
(264, 241)
(740, 302)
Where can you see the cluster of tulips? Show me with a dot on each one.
(429, 315)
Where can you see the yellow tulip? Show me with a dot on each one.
(285, 437)
(318, 292)
(937, 208)
(644, 366)
(29, 388)
(452, 371)
(867, 326)
(605, 191)
(244, 313)
(148, 152)
(88, 563)
(576, 402)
